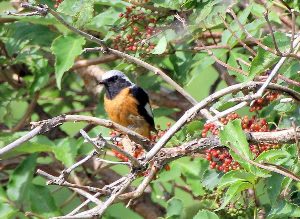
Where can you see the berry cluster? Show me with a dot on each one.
(261, 102)
(57, 2)
(210, 127)
(214, 195)
(138, 151)
(137, 28)
(160, 133)
(236, 211)
(220, 159)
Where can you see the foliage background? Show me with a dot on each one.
(37, 83)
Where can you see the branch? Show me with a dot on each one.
(192, 112)
(210, 53)
(139, 191)
(100, 142)
(99, 210)
(46, 125)
(55, 181)
(237, 38)
(65, 173)
(21, 140)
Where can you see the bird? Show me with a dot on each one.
(127, 104)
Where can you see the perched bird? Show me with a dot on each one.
(127, 104)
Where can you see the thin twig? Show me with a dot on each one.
(65, 173)
(115, 52)
(266, 15)
(210, 53)
(100, 142)
(113, 162)
(289, 81)
(250, 37)
(139, 191)
(86, 202)
(211, 47)
(226, 112)
(54, 181)
(236, 37)
(275, 70)
(87, 195)
(99, 210)
(293, 30)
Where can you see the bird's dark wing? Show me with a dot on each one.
(144, 107)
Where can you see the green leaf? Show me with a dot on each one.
(195, 186)
(20, 179)
(258, 10)
(205, 214)
(266, 59)
(66, 151)
(211, 179)
(3, 197)
(161, 46)
(273, 156)
(234, 191)
(193, 169)
(290, 68)
(227, 37)
(42, 71)
(234, 62)
(170, 4)
(214, 19)
(233, 136)
(273, 187)
(105, 20)
(65, 49)
(175, 208)
(205, 9)
(284, 107)
(236, 176)
(7, 211)
(20, 35)
(173, 173)
(42, 202)
(82, 10)
(284, 209)
(85, 14)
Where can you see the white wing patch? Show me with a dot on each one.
(149, 110)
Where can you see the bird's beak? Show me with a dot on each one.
(102, 82)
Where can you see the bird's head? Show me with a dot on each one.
(115, 77)
(114, 81)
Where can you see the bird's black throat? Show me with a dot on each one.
(113, 88)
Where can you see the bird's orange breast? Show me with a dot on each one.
(123, 109)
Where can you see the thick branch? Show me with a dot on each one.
(191, 113)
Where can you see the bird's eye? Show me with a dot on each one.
(113, 79)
